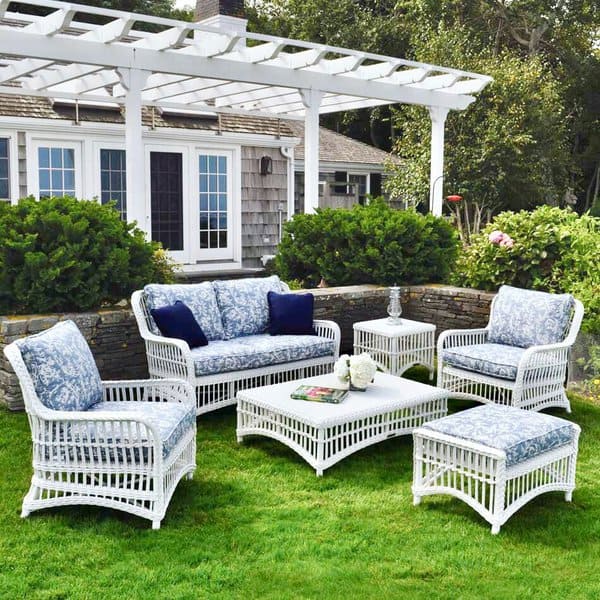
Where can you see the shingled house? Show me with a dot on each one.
(56, 148)
(204, 134)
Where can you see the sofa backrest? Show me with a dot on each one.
(224, 309)
(200, 298)
(526, 318)
(244, 306)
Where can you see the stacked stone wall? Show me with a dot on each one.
(119, 350)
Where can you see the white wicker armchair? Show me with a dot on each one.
(528, 375)
(172, 358)
(126, 452)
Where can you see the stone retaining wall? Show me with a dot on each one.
(119, 351)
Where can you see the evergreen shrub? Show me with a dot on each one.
(366, 244)
(62, 254)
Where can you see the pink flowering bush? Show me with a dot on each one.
(501, 239)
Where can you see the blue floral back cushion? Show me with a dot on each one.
(198, 297)
(62, 368)
(244, 306)
(527, 318)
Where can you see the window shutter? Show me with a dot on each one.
(340, 176)
(375, 189)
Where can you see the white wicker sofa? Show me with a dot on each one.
(234, 316)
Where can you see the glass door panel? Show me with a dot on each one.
(215, 207)
(166, 199)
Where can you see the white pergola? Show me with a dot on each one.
(193, 67)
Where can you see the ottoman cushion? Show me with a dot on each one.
(520, 434)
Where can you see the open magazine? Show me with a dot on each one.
(317, 393)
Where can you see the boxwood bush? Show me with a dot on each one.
(61, 254)
(366, 244)
(553, 249)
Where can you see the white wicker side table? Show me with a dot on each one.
(495, 458)
(323, 434)
(396, 348)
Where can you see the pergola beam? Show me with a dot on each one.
(124, 56)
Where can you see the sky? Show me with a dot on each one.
(184, 3)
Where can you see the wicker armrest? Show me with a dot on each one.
(330, 330)
(149, 390)
(461, 337)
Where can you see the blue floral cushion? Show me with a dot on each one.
(62, 367)
(527, 318)
(520, 434)
(198, 297)
(253, 351)
(497, 360)
(171, 418)
(243, 304)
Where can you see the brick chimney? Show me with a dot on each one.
(225, 14)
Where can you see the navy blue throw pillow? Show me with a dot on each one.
(291, 314)
(177, 321)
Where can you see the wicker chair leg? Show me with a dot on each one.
(156, 524)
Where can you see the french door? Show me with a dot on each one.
(192, 202)
(166, 199)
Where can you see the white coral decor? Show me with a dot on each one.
(359, 369)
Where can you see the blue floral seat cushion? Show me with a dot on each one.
(198, 297)
(497, 360)
(172, 419)
(254, 351)
(528, 318)
(244, 306)
(62, 368)
(520, 434)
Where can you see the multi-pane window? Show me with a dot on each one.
(360, 182)
(4, 172)
(56, 171)
(113, 178)
(213, 201)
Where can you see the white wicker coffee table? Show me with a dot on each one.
(396, 348)
(323, 434)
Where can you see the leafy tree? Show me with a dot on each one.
(507, 150)
(555, 40)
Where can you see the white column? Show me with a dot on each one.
(312, 100)
(133, 80)
(436, 178)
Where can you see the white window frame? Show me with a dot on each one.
(367, 174)
(214, 254)
(34, 143)
(13, 165)
(97, 146)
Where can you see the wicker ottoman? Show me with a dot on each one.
(495, 458)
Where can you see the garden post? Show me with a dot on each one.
(438, 116)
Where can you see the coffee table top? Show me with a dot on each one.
(387, 329)
(387, 393)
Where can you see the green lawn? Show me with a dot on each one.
(257, 523)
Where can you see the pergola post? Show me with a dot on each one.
(438, 116)
(312, 101)
(134, 80)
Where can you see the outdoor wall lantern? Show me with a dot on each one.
(266, 165)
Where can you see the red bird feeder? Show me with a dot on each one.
(454, 198)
